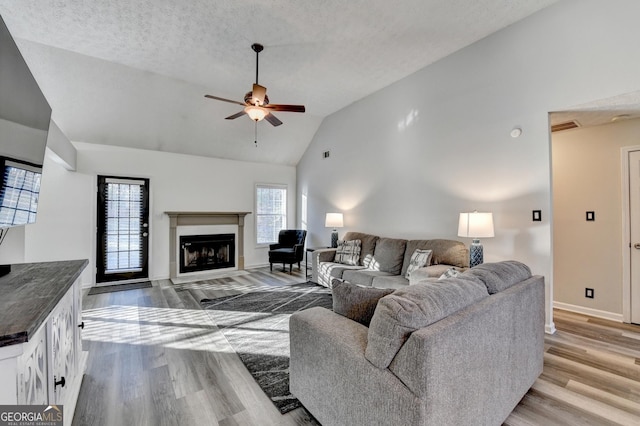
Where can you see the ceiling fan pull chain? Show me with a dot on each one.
(256, 135)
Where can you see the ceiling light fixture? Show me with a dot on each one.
(255, 113)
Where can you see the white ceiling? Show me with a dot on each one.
(134, 72)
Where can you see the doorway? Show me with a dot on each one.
(631, 250)
(122, 230)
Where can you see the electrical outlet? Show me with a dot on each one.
(588, 293)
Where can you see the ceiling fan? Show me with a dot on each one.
(256, 103)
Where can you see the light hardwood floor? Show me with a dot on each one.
(156, 358)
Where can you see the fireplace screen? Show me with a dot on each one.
(205, 252)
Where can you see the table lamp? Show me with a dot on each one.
(475, 225)
(334, 220)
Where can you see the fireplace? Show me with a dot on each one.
(179, 219)
(207, 252)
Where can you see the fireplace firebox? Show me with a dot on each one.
(205, 252)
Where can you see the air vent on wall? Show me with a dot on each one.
(565, 126)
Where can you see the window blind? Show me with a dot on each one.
(271, 212)
(124, 218)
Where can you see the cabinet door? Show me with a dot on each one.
(62, 332)
(79, 324)
(32, 366)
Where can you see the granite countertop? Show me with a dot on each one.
(29, 293)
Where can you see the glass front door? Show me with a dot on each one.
(123, 229)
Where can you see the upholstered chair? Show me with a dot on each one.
(289, 250)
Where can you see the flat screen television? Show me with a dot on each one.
(25, 115)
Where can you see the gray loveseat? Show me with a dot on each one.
(384, 261)
(459, 351)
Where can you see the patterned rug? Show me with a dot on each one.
(256, 325)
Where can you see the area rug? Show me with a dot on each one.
(256, 324)
(118, 287)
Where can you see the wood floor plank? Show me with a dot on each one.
(156, 358)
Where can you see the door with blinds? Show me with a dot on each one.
(123, 230)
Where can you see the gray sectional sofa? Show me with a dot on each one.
(458, 351)
(384, 261)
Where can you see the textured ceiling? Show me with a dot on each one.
(92, 57)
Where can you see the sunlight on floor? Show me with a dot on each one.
(171, 328)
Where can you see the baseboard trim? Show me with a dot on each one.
(589, 311)
(550, 328)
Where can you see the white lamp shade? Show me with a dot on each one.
(334, 220)
(256, 113)
(475, 225)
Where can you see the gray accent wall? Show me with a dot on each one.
(408, 159)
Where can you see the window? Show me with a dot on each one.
(19, 199)
(271, 212)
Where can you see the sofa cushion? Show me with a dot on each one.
(419, 258)
(348, 252)
(330, 270)
(387, 256)
(355, 302)
(368, 243)
(390, 281)
(501, 275)
(362, 277)
(414, 307)
(447, 252)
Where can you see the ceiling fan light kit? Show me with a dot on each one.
(256, 102)
(255, 113)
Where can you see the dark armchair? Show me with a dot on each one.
(290, 248)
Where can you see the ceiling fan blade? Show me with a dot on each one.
(287, 108)
(258, 94)
(236, 115)
(272, 119)
(224, 100)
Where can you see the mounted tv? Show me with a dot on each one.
(25, 115)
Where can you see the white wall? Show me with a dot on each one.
(22, 142)
(64, 226)
(407, 159)
(66, 222)
(587, 177)
(178, 183)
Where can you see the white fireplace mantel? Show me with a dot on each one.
(204, 218)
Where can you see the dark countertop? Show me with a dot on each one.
(29, 293)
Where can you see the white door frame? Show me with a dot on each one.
(626, 232)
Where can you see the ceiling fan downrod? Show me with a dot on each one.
(257, 47)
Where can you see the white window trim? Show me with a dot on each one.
(255, 209)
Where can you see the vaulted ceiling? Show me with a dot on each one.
(134, 72)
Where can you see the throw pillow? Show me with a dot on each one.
(419, 258)
(355, 302)
(449, 273)
(348, 252)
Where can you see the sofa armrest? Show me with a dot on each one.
(328, 369)
(483, 358)
(320, 255)
(274, 246)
